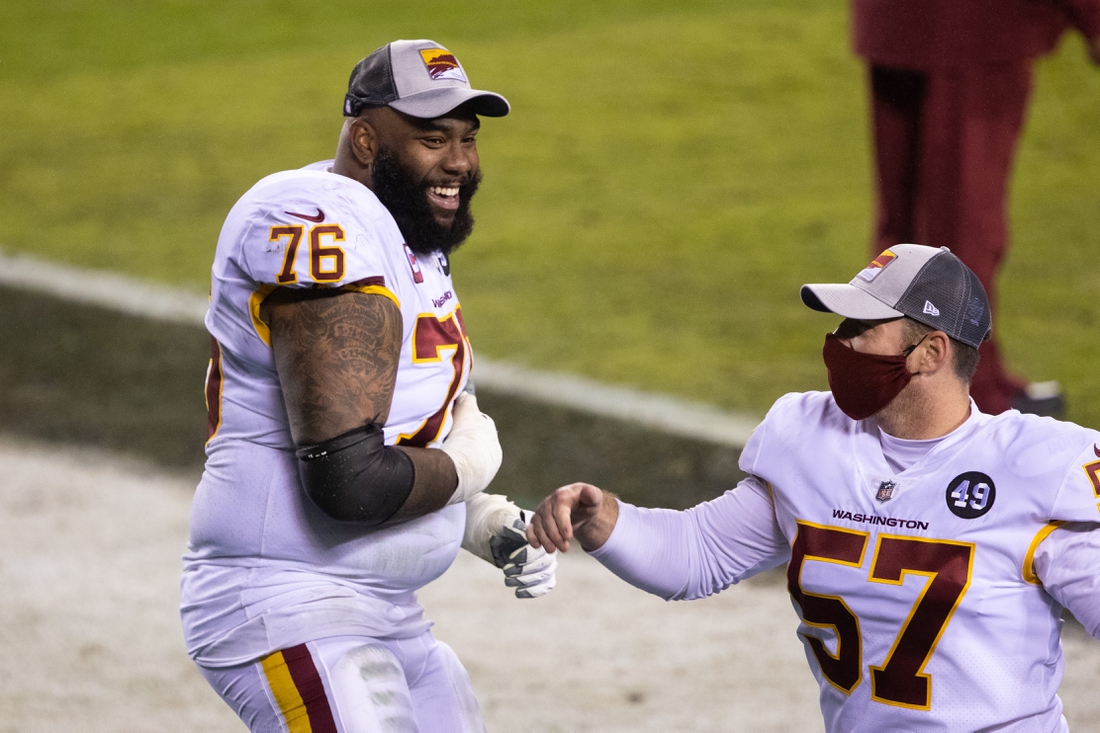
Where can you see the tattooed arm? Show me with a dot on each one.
(337, 354)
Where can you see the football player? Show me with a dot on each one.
(347, 455)
(930, 548)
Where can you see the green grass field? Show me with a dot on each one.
(668, 177)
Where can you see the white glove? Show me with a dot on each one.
(531, 572)
(495, 533)
(473, 446)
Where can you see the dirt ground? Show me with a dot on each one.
(89, 561)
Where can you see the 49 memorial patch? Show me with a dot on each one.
(970, 495)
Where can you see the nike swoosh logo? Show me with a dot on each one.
(320, 216)
(1096, 450)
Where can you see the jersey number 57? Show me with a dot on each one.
(899, 680)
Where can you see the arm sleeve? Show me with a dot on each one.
(355, 477)
(696, 553)
(1067, 563)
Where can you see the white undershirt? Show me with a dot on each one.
(900, 453)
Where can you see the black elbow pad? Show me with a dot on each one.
(355, 477)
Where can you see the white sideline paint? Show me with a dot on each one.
(103, 288)
(665, 413)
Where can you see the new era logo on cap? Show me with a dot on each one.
(442, 64)
(931, 309)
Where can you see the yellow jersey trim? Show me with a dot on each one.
(263, 330)
(1029, 558)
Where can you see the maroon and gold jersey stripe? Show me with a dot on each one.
(375, 285)
(298, 691)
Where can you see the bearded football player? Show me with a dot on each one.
(347, 457)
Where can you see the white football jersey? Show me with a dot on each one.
(920, 609)
(265, 569)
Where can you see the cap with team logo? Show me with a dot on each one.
(929, 285)
(419, 78)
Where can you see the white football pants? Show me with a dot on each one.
(353, 684)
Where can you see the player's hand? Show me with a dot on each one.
(495, 532)
(569, 510)
(531, 571)
(473, 447)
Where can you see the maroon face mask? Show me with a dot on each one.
(863, 384)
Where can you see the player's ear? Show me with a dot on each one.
(363, 139)
(937, 352)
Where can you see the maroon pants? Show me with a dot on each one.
(944, 144)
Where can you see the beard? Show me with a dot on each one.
(407, 201)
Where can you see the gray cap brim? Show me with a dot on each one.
(438, 102)
(846, 300)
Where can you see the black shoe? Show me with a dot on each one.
(1041, 398)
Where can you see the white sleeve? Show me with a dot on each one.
(696, 553)
(304, 229)
(1067, 563)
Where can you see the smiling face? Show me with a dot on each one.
(425, 171)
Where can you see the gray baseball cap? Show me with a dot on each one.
(929, 285)
(420, 78)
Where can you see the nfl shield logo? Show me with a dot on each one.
(885, 491)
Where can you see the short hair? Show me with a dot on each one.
(964, 358)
